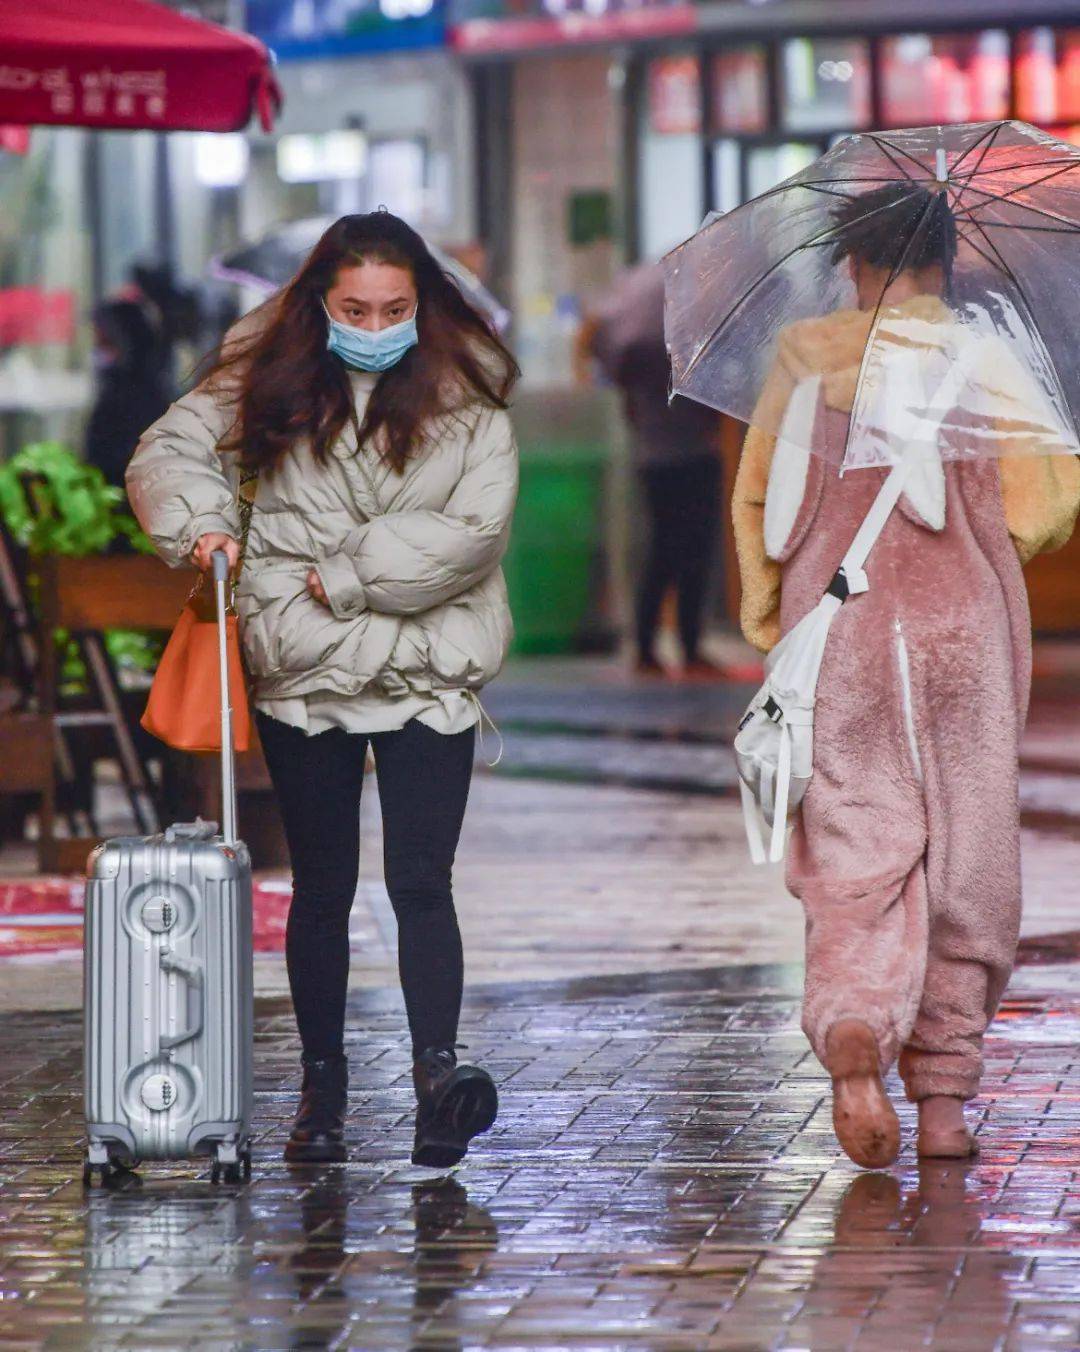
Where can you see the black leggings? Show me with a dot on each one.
(684, 506)
(423, 788)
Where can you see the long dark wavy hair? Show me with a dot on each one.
(288, 386)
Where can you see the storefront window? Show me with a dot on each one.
(740, 90)
(727, 174)
(670, 155)
(929, 79)
(825, 84)
(44, 287)
(766, 166)
(1048, 75)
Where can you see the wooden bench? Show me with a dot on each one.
(90, 595)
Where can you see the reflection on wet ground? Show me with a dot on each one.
(662, 1176)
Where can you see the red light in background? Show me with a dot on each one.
(31, 316)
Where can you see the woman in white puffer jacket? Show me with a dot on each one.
(370, 400)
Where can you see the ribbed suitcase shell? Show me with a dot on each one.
(168, 998)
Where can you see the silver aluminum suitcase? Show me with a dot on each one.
(168, 987)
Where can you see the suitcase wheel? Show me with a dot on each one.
(230, 1173)
(235, 1170)
(112, 1174)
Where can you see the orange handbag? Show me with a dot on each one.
(184, 708)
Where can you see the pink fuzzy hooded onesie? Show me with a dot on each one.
(906, 852)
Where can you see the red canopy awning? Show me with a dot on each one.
(129, 63)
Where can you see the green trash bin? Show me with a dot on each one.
(551, 565)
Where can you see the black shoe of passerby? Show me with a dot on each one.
(455, 1103)
(318, 1134)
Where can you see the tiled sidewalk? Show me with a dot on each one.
(662, 1176)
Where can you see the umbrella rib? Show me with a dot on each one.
(1030, 229)
(968, 240)
(1007, 270)
(759, 281)
(1073, 159)
(894, 272)
(988, 136)
(811, 183)
(884, 146)
(1026, 187)
(1019, 206)
(993, 259)
(827, 191)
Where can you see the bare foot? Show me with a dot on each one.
(943, 1133)
(865, 1121)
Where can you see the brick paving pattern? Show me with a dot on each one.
(662, 1175)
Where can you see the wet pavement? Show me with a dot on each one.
(662, 1175)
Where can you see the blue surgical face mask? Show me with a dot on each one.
(367, 350)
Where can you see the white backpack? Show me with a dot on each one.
(774, 745)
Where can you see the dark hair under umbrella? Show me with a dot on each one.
(898, 226)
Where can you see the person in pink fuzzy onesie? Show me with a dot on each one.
(906, 851)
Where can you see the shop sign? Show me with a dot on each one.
(478, 26)
(298, 29)
(674, 95)
(90, 95)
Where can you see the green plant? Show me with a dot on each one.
(53, 502)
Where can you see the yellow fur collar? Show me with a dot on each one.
(832, 345)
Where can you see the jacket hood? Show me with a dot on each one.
(832, 345)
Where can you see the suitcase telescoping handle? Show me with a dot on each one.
(228, 756)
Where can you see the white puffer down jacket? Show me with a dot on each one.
(409, 562)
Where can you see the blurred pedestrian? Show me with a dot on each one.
(675, 449)
(906, 852)
(131, 386)
(370, 398)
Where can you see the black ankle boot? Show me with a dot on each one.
(455, 1103)
(318, 1134)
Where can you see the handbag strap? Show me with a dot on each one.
(850, 579)
(245, 504)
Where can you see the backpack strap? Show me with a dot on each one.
(751, 809)
(780, 798)
(850, 578)
(751, 823)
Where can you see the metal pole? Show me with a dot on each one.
(228, 762)
(163, 204)
(95, 215)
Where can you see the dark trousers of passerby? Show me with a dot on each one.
(424, 781)
(683, 501)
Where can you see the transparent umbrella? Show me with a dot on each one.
(266, 264)
(953, 255)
